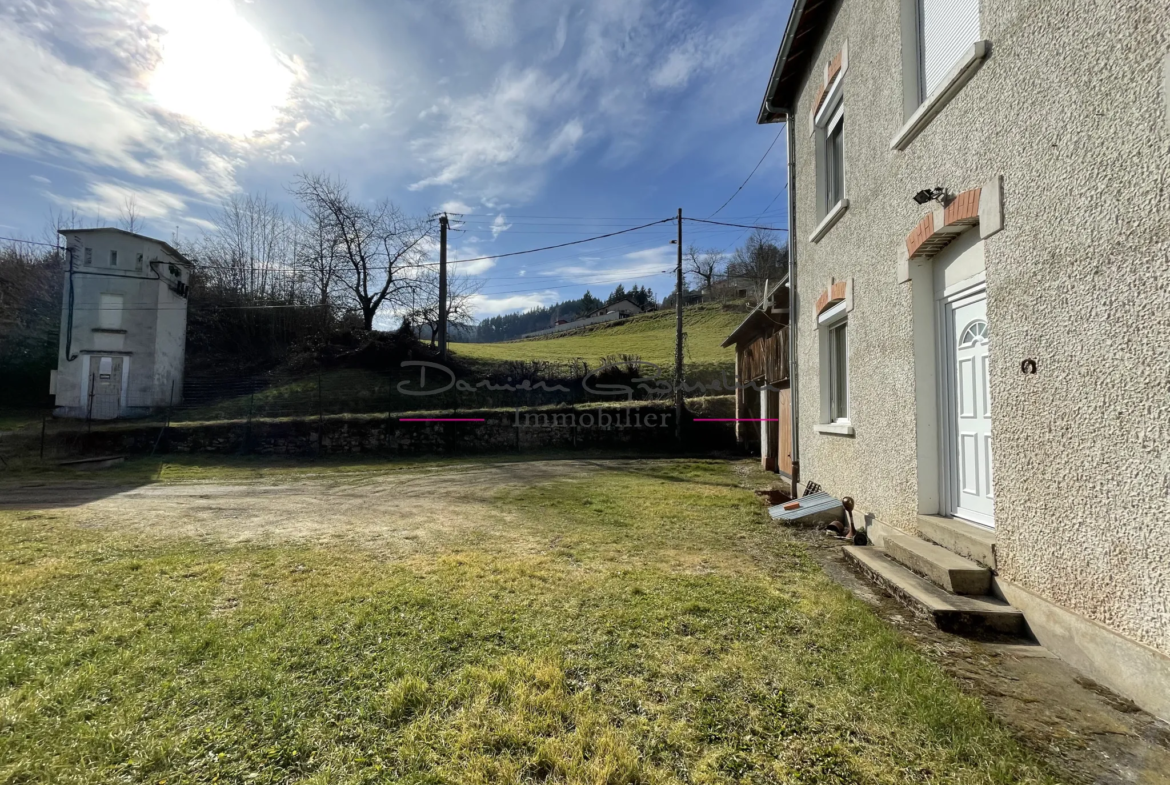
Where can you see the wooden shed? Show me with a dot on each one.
(763, 398)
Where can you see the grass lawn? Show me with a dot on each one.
(639, 623)
(650, 336)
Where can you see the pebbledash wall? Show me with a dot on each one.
(1067, 115)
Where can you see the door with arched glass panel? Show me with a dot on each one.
(971, 457)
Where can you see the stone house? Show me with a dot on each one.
(123, 325)
(980, 256)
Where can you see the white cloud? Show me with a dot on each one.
(487, 23)
(645, 263)
(518, 125)
(457, 207)
(484, 305)
(499, 225)
(107, 199)
(38, 178)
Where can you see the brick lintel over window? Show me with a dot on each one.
(834, 293)
(835, 67)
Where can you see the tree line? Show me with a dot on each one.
(506, 327)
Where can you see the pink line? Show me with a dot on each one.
(736, 419)
(440, 419)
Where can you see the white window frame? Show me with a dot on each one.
(831, 420)
(830, 115)
(832, 165)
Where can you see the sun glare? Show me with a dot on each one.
(216, 68)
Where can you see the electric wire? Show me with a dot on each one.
(750, 175)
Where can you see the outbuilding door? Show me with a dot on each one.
(107, 387)
(970, 475)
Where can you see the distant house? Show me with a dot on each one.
(624, 307)
(763, 396)
(123, 325)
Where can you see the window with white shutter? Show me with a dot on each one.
(948, 28)
(110, 312)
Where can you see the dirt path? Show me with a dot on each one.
(398, 511)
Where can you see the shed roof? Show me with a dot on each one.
(759, 319)
(166, 246)
(803, 33)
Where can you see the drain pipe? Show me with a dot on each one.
(793, 300)
(793, 308)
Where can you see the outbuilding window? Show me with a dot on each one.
(88, 256)
(113, 258)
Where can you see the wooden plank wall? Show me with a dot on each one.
(784, 433)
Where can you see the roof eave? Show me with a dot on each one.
(165, 245)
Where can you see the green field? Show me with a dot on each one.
(650, 337)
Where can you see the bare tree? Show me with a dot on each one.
(250, 252)
(461, 294)
(128, 214)
(703, 264)
(378, 245)
(758, 261)
(318, 263)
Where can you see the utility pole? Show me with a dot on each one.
(678, 337)
(443, 287)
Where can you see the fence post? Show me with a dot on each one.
(44, 420)
(167, 423)
(248, 426)
(320, 414)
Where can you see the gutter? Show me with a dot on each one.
(781, 58)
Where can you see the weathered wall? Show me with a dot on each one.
(1069, 109)
(153, 317)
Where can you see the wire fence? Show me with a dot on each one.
(110, 411)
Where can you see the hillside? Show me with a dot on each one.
(650, 336)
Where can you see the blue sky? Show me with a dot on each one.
(543, 122)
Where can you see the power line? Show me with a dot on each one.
(562, 245)
(749, 177)
(30, 242)
(738, 226)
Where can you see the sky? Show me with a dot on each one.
(533, 122)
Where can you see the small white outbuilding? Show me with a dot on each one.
(123, 325)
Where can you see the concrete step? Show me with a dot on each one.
(938, 565)
(976, 543)
(949, 612)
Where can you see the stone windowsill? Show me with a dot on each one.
(829, 220)
(835, 428)
(959, 75)
(109, 330)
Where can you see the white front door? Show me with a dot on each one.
(971, 475)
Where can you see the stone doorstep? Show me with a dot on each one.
(966, 539)
(950, 612)
(938, 565)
